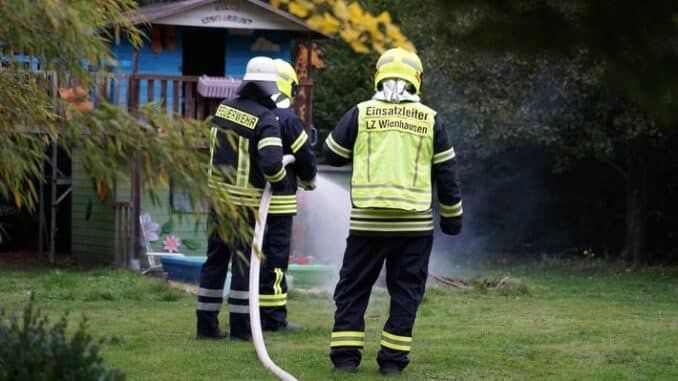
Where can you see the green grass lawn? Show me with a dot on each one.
(561, 324)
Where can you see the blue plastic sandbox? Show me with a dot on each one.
(183, 269)
(187, 269)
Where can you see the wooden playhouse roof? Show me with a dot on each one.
(157, 12)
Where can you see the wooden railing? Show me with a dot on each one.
(178, 95)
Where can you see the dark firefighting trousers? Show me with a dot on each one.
(406, 272)
(273, 285)
(212, 278)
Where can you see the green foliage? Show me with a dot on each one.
(68, 39)
(634, 41)
(191, 244)
(167, 227)
(341, 85)
(60, 35)
(349, 77)
(33, 349)
(611, 78)
(147, 2)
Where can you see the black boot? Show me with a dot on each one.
(217, 335)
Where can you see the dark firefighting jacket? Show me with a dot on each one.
(295, 142)
(245, 148)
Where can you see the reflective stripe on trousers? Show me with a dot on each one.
(399, 343)
(238, 302)
(347, 339)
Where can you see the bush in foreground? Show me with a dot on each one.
(32, 349)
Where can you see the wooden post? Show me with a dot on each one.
(309, 95)
(131, 93)
(53, 199)
(175, 98)
(117, 82)
(163, 94)
(150, 91)
(135, 188)
(41, 202)
(53, 184)
(200, 107)
(135, 61)
(303, 64)
(188, 99)
(135, 197)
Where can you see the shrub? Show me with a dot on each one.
(33, 349)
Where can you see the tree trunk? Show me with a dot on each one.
(636, 212)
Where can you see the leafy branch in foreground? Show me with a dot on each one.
(106, 140)
(68, 39)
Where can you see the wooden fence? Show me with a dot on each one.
(179, 96)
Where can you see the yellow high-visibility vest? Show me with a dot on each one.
(392, 156)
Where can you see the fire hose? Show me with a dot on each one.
(255, 320)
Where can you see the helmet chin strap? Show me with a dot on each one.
(281, 100)
(395, 91)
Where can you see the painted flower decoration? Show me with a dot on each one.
(171, 244)
(149, 228)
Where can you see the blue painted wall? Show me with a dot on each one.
(238, 52)
(166, 63)
(238, 49)
(30, 63)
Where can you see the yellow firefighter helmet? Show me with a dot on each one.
(398, 63)
(287, 78)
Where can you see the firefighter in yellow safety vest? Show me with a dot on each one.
(398, 149)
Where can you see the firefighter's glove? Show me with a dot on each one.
(307, 185)
(450, 226)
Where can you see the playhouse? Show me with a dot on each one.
(186, 40)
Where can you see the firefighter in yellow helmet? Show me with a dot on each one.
(398, 148)
(277, 238)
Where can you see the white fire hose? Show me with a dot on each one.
(255, 320)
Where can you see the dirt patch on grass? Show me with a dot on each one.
(185, 287)
(25, 259)
(504, 285)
